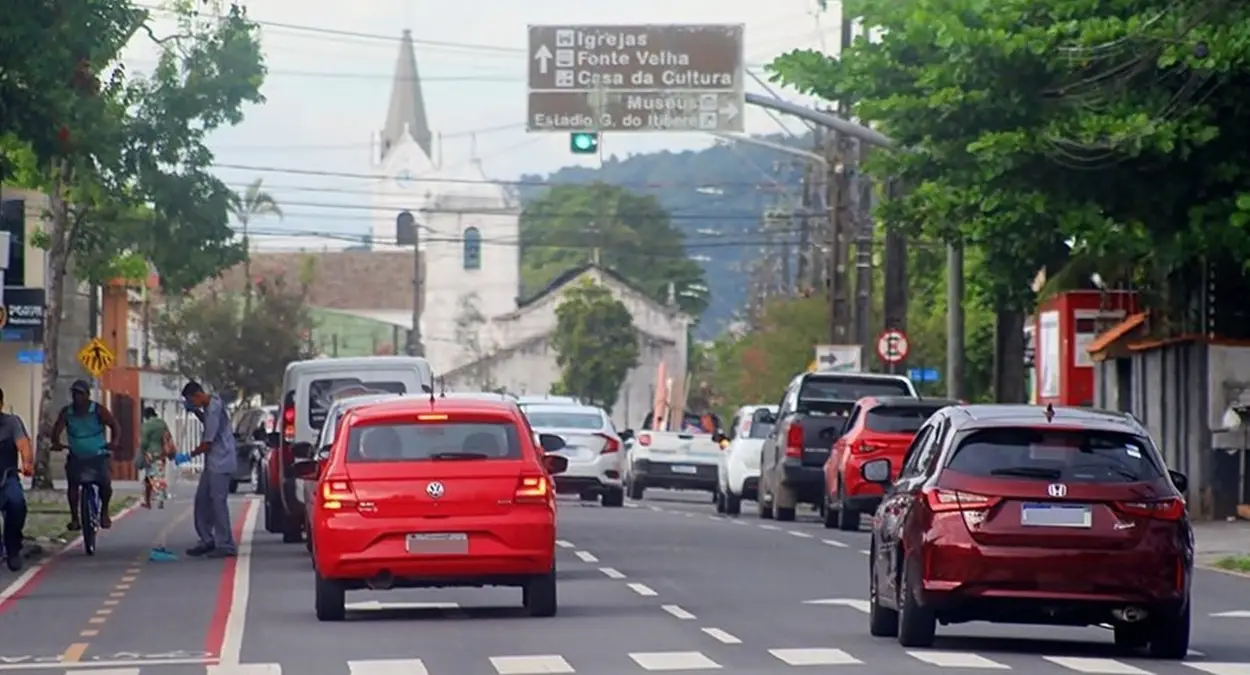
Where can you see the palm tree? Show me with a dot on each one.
(251, 203)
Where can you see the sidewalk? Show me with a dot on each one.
(1214, 541)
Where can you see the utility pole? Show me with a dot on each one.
(839, 286)
(861, 194)
(895, 292)
(803, 270)
(415, 348)
(955, 321)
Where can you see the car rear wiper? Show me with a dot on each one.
(459, 455)
(1028, 472)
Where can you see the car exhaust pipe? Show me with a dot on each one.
(383, 581)
(1129, 614)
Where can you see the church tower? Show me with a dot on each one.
(405, 149)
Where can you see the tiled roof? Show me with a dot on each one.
(342, 279)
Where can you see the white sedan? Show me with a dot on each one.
(738, 472)
(592, 448)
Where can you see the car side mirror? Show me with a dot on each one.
(273, 439)
(627, 435)
(551, 443)
(767, 418)
(306, 469)
(1180, 480)
(323, 454)
(555, 463)
(876, 471)
(302, 450)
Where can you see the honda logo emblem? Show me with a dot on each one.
(434, 490)
(1057, 490)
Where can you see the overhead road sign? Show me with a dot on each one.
(636, 78)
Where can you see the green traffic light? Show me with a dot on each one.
(584, 143)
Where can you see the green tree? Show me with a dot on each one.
(628, 233)
(596, 344)
(253, 202)
(219, 340)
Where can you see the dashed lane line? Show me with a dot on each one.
(771, 528)
(563, 544)
(864, 551)
(612, 573)
(833, 542)
(586, 556)
(642, 589)
(800, 534)
(723, 636)
(678, 612)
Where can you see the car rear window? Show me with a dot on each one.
(832, 387)
(1069, 455)
(757, 427)
(565, 420)
(419, 442)
(897, 419)
(323, 393)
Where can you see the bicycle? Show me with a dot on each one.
(89, 504)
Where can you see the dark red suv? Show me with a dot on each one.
(1024, 514)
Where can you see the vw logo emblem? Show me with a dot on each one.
(1054, 490)
(435, 489)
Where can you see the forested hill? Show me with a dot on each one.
(715, 197)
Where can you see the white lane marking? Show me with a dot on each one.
(232, 639)
(864, 551)
(116, 671)
(688, 515)
(738, 522)
(563, 544)
(642, 589)
(375, 605)
(246, 669)
(861, 605)
(1100, 666)
(631, 505)
(677, 612)
(673, 661)
(957, 660)
(723, 636)
(1221, 668)
(714, 518)
(530, 665)
(769, 527)
(388, 667)
(655, 508)
(801, 535)
(90, 666)
(612, 573)
(833, 542)
(1235, 614)
(586, 556)
(814, 657)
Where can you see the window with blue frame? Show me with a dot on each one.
(472, 249)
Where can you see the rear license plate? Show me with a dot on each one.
(685, 469)
(1056, 515)
(439, 543)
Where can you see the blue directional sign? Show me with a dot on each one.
(923, 374)
(30, 356)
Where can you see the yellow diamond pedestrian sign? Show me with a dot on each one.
(96, 357)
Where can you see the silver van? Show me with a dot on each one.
(310, 388)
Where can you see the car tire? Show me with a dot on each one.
(307, 537)
(1169, 636)
(828, 516)
(917, 625)
(733, 504)
(783, 513)
(635, 489)
(258, 486)
(292, 530)
(848, 518)
(613, 498)
(273, 516)
(764, 506)
(234, 486)
(539, 595)
(330, 600)
(1131, 636)
(882, 621)
(719, 498)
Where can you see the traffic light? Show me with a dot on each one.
(584, 143)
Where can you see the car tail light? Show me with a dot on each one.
(533, 489)
(794, 440)
(610, 445)
(941, 501)
(336, 494)
(1163, 509)
(644, 439)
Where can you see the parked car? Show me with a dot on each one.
(684, 459)
(738, 470)
(309, 389)
(251, 428)
(809, 419)
(1030, 515)
(879, 427)
(591, 446)
(394, 510)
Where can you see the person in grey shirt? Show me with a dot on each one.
(212, 512)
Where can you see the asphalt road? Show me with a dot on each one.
(664, 585)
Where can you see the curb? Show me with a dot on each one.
(1221, 570)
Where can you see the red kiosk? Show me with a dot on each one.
(1063, 328)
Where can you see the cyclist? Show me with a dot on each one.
(84, 421)
(16, 460)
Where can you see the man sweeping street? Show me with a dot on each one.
(212, 511)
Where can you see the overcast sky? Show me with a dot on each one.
(327, 93)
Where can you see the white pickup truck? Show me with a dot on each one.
(675, 460)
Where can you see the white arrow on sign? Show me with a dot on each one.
(543, 57)
(1235, 614)
(861, 605)
(730, 111)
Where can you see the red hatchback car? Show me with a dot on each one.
(1023, 514)
(878, 427)
(435, 493)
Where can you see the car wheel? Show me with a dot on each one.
(827, 515)
(292, 530)
(330, 600)
(257, 486)
(733, 504)
(308, 537)
(917, 626)
(764, 506)
(273, 516)
(587, 496)
(719, 498)
(1169, 638)
(848, 519)
(539, 595)
(783, 496)
(1131, 635)
(613, 498)
(882, 621)
(234, 486)
(635, 489)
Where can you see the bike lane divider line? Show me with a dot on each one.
(225, 629)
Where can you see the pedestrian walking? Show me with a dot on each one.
(16, 460)
(212, 510)
(156, 445)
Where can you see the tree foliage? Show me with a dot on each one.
(1029, 127)
(632, 234)
(596, 344)
(216, 340)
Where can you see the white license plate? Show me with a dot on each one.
(685, 469)
(1056, 515)
(578, 453)
(438, 543)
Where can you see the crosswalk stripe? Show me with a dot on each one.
(530, 665)
(388, 667)
(1083, 664)
(1221, 668)
(673, 661)
(246, 669)
(814, 657)
(958, 660)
